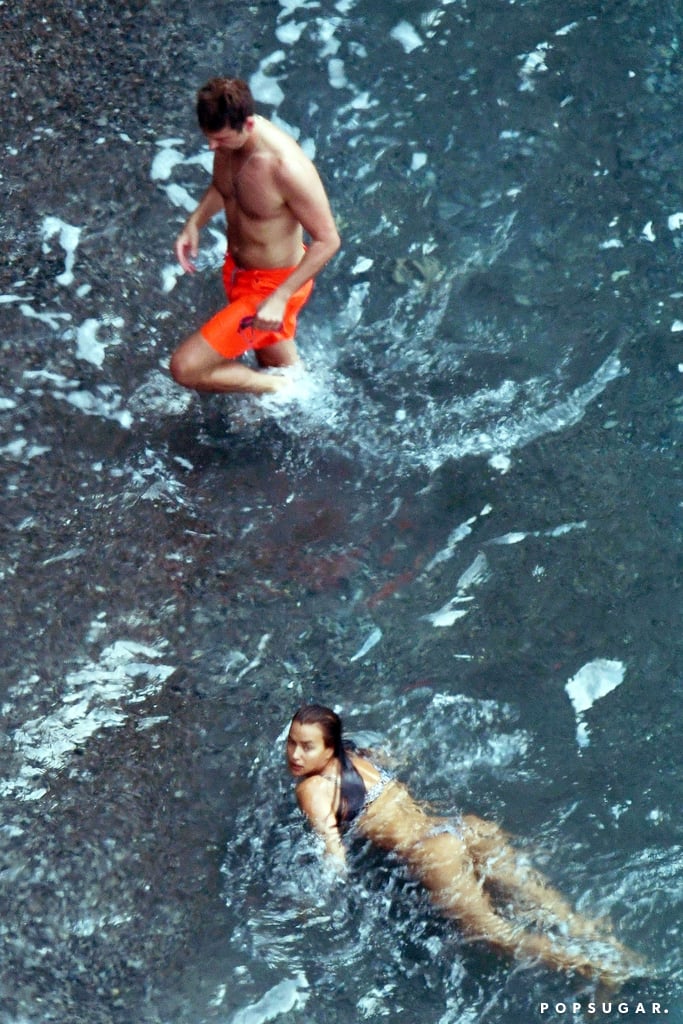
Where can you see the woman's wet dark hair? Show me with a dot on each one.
(351, 786)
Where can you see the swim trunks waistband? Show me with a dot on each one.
(230, 331)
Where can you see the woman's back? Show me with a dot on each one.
(391, 818)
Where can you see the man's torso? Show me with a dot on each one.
(262, 230)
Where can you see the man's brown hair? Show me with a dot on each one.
(224, 102)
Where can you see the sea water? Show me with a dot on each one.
(462, 531)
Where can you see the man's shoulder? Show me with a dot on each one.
(279, 164)
(280, 148)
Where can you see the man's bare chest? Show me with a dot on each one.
(248, 191)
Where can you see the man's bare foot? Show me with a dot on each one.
(276, 381)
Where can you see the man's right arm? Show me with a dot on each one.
(187, 242)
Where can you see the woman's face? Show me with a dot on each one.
(307, 752)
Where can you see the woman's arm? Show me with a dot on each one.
(315, 797)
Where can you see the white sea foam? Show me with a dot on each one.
(327, 36)
(566, 29)
(500, 461)
(336, 73)
(238, 658)
(68, 237)
(105, 402)
(372, 640)
(94, 697)
(309, 401)
(291, 32)
(51, 319)
(153, 480)
(158, 395)
(517, 536)
(219, 996)
(474, 575)
(352, 313)
(454, 538)
(591, 683)
(507, 432)
(477, 573)
(264, 85)
(405, 34)
(363, 101)
(448, 614)
(181, 198)
(65, 556)
(533, 64)
(362, 264)
(21, 450)
(289, 6)
(612, 243)
(164, 165)
(288, 995)
(375, 1003)
(487, 737)
(48, 377)
(169, 276)
(89, 345)
(164, 162)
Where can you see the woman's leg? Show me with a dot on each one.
(444, 866)
(503, 867)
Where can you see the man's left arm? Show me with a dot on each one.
(305, 196)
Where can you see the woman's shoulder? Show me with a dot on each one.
(313, 789)
(312, 784)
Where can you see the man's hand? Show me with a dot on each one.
(270, 313)
(187, 247)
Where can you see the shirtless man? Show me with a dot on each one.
(271, 194)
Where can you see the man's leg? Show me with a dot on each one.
(281, 353)
(195, 364)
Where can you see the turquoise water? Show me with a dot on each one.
(465, 536)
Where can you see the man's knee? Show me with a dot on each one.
(181, 370)
(185, 366)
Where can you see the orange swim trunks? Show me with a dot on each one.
(230, 332)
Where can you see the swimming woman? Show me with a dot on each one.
(458, 861)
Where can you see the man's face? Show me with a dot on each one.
(229, 139)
